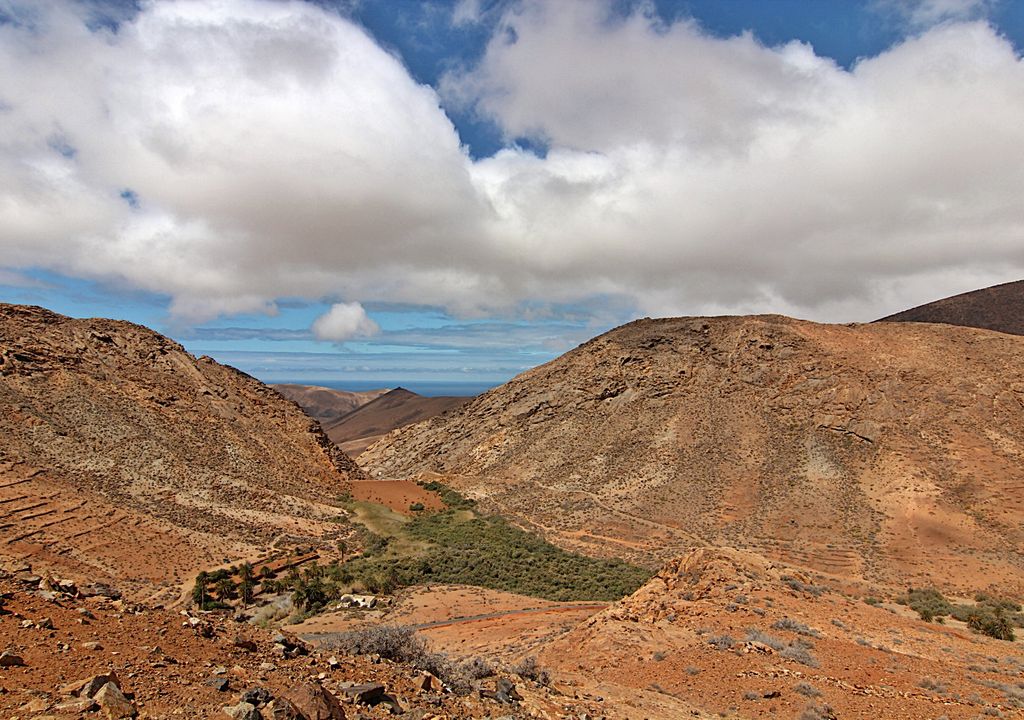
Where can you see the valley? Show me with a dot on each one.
(610, 535)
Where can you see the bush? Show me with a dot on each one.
(801, 586)
(928, 603)
(794, 626)
(930, 683)
(529, 669)
(721, 642)
(806, 689)
(450, 497)
(800, 654)
(993, 623)
(401, 644)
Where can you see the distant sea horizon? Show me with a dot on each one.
(427, 388)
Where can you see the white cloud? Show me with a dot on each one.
(344, 321)
(277, 151)
(919, 14)
(466, 12)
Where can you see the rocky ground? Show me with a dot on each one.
(62, 648)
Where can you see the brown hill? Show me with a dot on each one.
(124, 458)
(396, 408)
(886, 453)
(789, 647)
(1000, 308)
(327, 405)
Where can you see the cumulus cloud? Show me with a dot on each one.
(344, 321)
(233, 152)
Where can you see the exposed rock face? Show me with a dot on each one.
(114, 439)
(889, 452)
(1000, 308)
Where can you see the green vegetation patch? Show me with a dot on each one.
(489, 552)
(992, 616)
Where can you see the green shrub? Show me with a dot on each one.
(928, 603)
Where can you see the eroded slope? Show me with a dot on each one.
(123, 456)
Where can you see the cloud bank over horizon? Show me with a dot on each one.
(228, 154)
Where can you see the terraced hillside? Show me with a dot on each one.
(887, 453)
(123, 457)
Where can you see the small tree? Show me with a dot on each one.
(246, 583)
(200, 593)
(225, 589)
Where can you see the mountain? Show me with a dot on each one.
(367, 424)
(124, 459)
(327, 405)
(1000, 308)
(884, 453)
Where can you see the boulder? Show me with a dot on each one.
(218, 683)
(365, 694)
(9, 659)
(113, 704)
(257, 696)
(315, 702)
(243, 711)
(283, 709)
(245, 644)
(75, 705)
(98, 682)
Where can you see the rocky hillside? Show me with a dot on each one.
(789, 645)
(886, 453)
(394, 409)
(326, 404)
(124, 457)
(1000, 307)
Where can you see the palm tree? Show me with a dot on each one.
(225, 589)
(246, 583)
(199, 590)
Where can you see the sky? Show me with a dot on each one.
(364, 191)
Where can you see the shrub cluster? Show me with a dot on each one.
(401, 644)
(489, 552)
(992, 616)
(449, 497)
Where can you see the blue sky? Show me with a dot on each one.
(457, 191)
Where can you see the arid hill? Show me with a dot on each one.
(325, 404)
(887, 453)
(727, 633)
(125, 459)
(396, 408)
(1000, 308)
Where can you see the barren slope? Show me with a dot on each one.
(1000, 307)
(325, 404)
(727, 633)
(885, 452)
(124, 458)
(396, 408)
